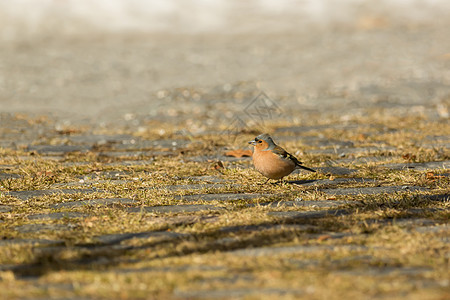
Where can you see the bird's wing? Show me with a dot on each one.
(285, 155)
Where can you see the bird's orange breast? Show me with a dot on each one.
(271, 165)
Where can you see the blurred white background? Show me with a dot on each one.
(101, 57)
(21, 19)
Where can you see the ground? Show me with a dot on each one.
(119, 175)
(91, 214)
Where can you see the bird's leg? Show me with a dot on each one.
(267, 180)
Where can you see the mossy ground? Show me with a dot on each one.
(382, 247)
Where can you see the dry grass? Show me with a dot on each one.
(375, 252)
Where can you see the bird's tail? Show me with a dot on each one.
(305, 168)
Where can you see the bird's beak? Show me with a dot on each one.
(252, 143)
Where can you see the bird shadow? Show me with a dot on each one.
(300, 182)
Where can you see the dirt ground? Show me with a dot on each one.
(358, 56)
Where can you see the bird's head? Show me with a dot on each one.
(263, 142)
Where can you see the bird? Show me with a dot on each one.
(271, 160)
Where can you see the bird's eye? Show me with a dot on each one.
(260, 142)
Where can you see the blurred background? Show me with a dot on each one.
(175, 60)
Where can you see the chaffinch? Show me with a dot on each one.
(273, 161)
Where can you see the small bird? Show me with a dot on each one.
(273, 161)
